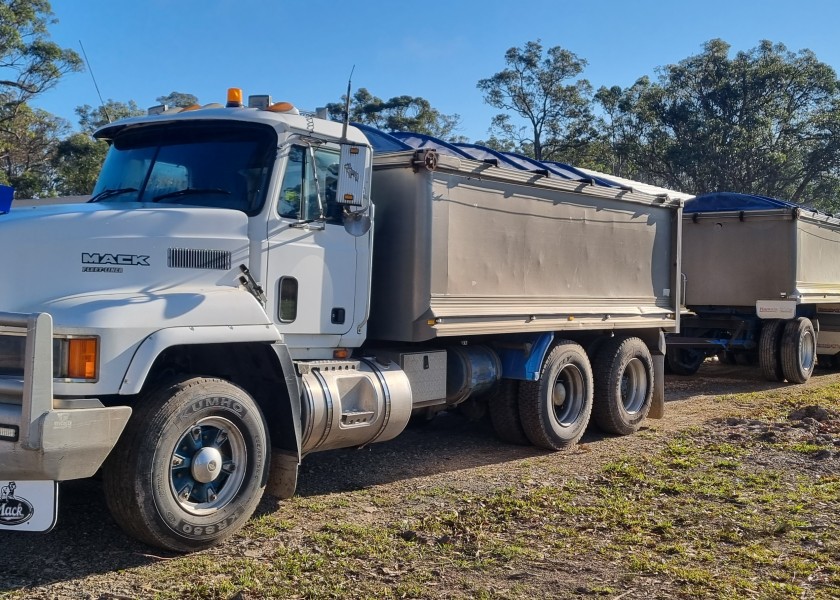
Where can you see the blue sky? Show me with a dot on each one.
(303, 51)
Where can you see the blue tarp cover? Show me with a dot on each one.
(402, 140)
(421, 140)
(730, 201)
(381, 141)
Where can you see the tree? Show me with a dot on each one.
(178, 99)
(27, 146)
(30, 64)
(400, 113)
(91, 119)
(77, 162)
(534, 87)
(765, 121)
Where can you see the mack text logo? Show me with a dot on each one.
(14, 510)
(94, 258)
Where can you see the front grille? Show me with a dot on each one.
(192, 258)
(12, 352)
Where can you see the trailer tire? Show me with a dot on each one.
(623, 372)
(555, 409)
(798, 350)
(503, 406)
(684, 361)
(769, 355)
(191, 466)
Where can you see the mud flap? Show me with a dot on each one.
(282, 480)
(657, 404)
(28, 505)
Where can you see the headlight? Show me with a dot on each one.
(74, 358)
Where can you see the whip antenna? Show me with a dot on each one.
(347, 105)
(90, 70)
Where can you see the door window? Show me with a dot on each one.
(308, 192)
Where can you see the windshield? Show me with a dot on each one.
(213, 164)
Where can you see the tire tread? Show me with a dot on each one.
(503, 406)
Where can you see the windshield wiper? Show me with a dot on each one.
(109, 193)
(189, 192)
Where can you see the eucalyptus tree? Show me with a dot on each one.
(30, 63)
(764, 121)
(542, 88)
(400, 113)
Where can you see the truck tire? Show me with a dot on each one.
(555, 410)
(769, 355)
(191, 466)
(683, 361)
(798, 350)
(623, 371)
(503, 406)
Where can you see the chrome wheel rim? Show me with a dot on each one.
(568, 395)
(807, 350)
(634, 386)
(207, 466)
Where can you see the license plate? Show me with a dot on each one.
(28, 505)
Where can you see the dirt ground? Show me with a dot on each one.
(88, 556)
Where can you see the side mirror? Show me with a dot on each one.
(354, 178)
(357, 223)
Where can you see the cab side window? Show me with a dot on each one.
(303, 184)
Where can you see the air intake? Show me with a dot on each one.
(191, 258)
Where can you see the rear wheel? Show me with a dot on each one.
(684, 361)
(555, 410)
(191, 466)
(769, 358)
(623, 373)
(503, 406)
(798, 350)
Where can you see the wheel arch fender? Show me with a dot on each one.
(523, 357)
(155, 344)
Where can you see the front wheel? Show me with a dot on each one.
(555, 410)
(191, 466)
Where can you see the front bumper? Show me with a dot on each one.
(41, 441)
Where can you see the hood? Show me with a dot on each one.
(76, 250)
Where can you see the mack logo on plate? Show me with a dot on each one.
(14, 510)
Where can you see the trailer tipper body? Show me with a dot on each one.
(762, 280)
(249, 284)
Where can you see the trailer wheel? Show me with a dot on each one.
(555, 409)
(684, 361)
(191, 466)
(769, 356)
(503, 406)
(798, 350)
(623, 373)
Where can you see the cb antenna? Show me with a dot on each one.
(90, 70)
(347, 106)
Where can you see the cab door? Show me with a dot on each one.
(312, 259)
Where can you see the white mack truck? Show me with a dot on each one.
(249, 284)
